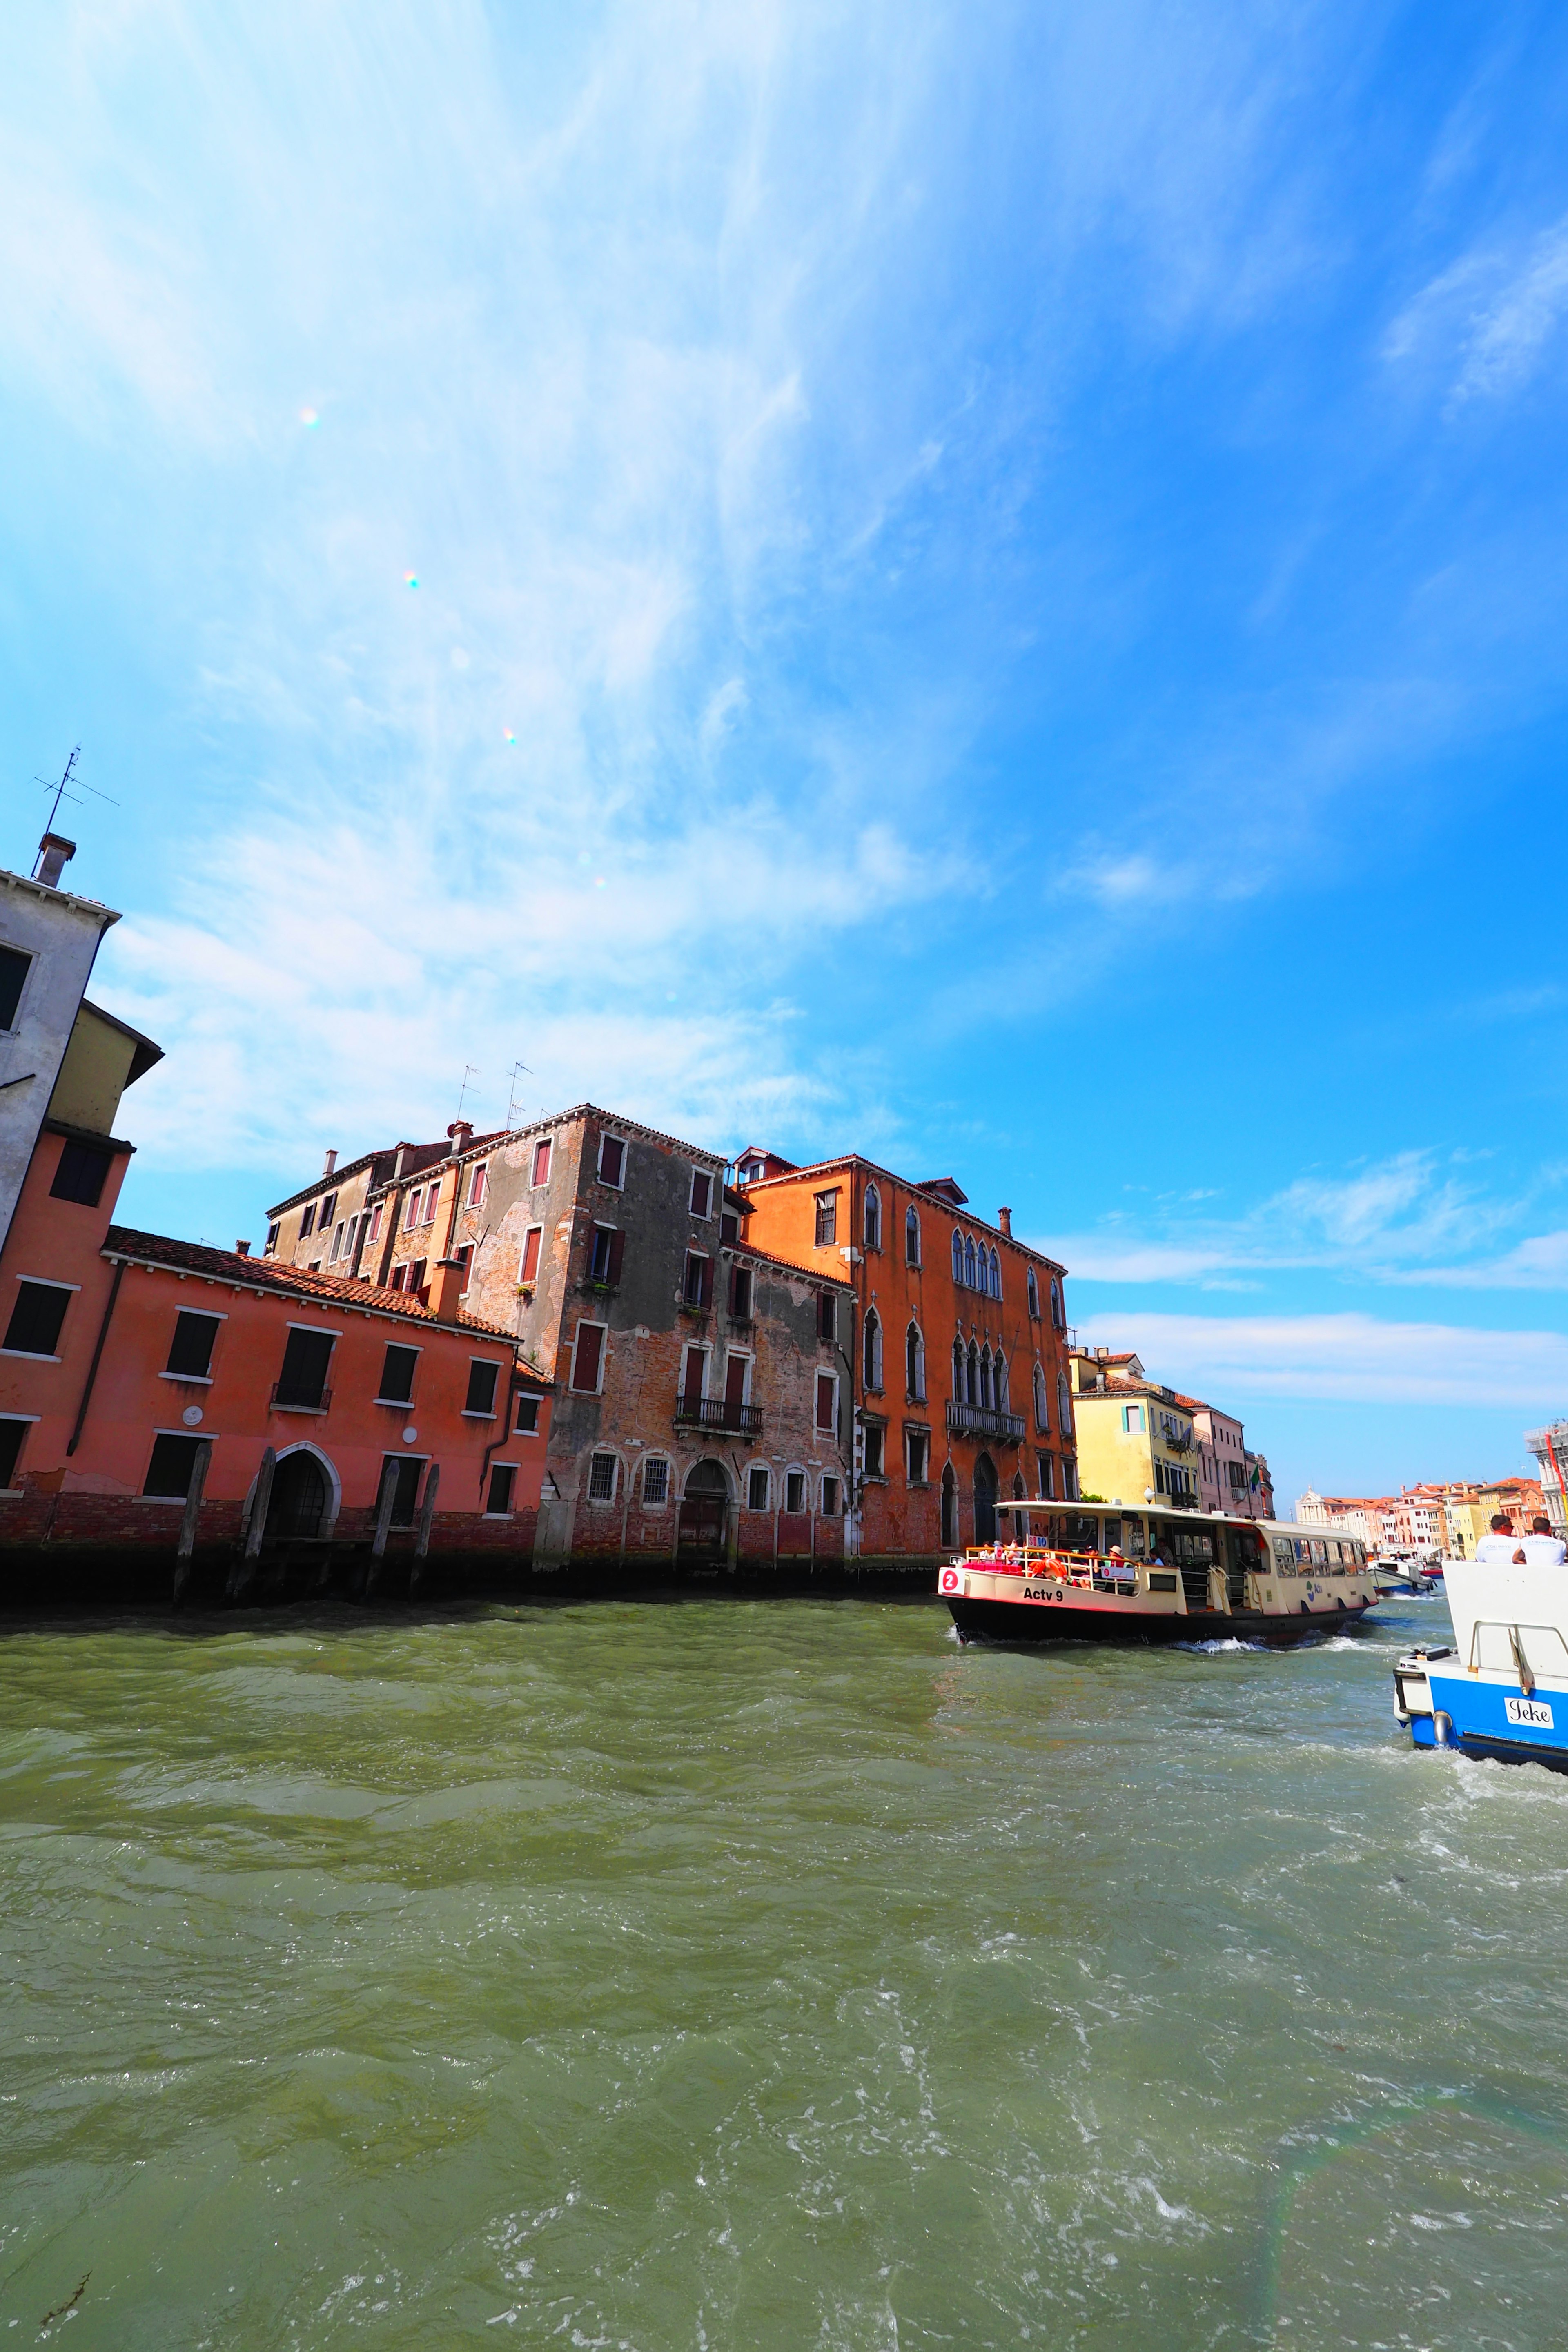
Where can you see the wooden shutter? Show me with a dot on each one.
(691, 1380)
(706, 1296)
(735, 1379)
(531, 1253)
(590, 1348)
(825, 1400)
(617, 1252)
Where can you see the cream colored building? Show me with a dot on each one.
(1136, 1442)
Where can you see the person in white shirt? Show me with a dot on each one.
(1502, 1548)
(1542, 1547)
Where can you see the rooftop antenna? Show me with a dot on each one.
(468, 1072)
(61, 793)
(518, 1070)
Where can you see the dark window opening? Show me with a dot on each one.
(756, 1488)
(13, 974)
(12, 1432)
(826, 1219)
(608, 1251)
(482, 1379)
(919, 1450)
(698, 1290)
(612, 1160)
(498, 1502)
(307, 1222)
(399, 1276)
(406, 1487)
(741, 1293)
(82, 1174)
(729, 1228)
(830, 1498)
(794, 1490)
(827, 1316)
(397, 1375)
(303, 1379)
(417, 1277)
(874, 1435)
(701, 1192)
(34, 1326)
(171, 1469)
(191, 1349)
(528, 1416)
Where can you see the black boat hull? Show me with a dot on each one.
(1022, 1621)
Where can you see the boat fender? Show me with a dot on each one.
(1442, 1728)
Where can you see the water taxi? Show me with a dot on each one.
(1100, 1572)
(1501, 1689)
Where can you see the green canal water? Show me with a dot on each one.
(765, 1975)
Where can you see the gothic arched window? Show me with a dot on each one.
(911, 1239)
(995, 1275)
(873, 1350)
(958, 1257)
(969, 1274)
(914, 1362)
(1033, 1296)
(1042, 1401)
(873, 1218)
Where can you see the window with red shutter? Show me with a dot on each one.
(826, 1399)
(617, 1253)
(735, 1370)
(588, 1356)
(528, 1270)
(691, 1375)
(541, 1162)
(707, 1264)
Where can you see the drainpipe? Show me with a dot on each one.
(74, 1439)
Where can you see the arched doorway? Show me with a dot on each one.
(949, 1509)
(984, 1499)
(704, 1514)
(299, 1496)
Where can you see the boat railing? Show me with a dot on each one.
(1517, 1655)
(1075, 1566)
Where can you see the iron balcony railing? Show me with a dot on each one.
(718, 1413)
(985, 1421)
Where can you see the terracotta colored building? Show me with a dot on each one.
(954, 1364)
(169, 1411)
(699, 1417)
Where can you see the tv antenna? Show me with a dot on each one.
(518, 1070)
(62, 793)
(468, 1072)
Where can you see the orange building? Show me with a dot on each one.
(955, 1363)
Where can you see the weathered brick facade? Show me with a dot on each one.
(700, 1417)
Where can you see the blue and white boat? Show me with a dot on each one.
(1501, 1689)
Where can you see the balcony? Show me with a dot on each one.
(289, 1396)
(718, 1413)
(985, 1421)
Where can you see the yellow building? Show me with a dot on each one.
(1135, 1442)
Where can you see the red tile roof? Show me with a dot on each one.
(264, 1274)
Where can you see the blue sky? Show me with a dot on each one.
(990, 586)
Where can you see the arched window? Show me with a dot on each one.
(995, 1275)
(986, 1396)
(873, 1350)
(972, 1374)
(911, 1239)
(1033, 1296)
(999, 1376)
(958, 1371)
(1064, 1404)
(1058, 1317)
(949, 1509)
(873, 1218)
(958, 1257)
(969, 1274)
(914, 1362)
(1042, 1401)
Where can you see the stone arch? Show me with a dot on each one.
(306, 1493)
(708, 1476)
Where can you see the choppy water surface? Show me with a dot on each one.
(765, 1975)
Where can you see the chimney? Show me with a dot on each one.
(331, 1163)
(451, 1281)
(242, 1249)
(403, 1151)
(1005, 1219)
(461, 1134)
(53, 851)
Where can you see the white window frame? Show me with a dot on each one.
(706, 1216)
(526, 1397)
(703, 1348)
(746, 1356)
(522, 1256)
(821, 1373)
(616, 1183)
(537, 1183)
(824, 1509)
(766, 1470)
(493, 1414)
(1132, 1420)
(913, 1437)
(796, 1470)
(487, 1512)
(669, 1482)
(603, 1502)
(589, 1322)
(402, 1404)
(707, 1258)
(479, 1184)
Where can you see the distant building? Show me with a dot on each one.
(1549, 1447)
(1136, 1439)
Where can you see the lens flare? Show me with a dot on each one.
(308, 416)
(509, 735)
(412, 579)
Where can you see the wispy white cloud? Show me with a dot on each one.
(1487, 318)
(1348, 1358)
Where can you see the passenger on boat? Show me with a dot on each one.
(1542, 1547)
(1123, 1568)
(1502, 1548)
